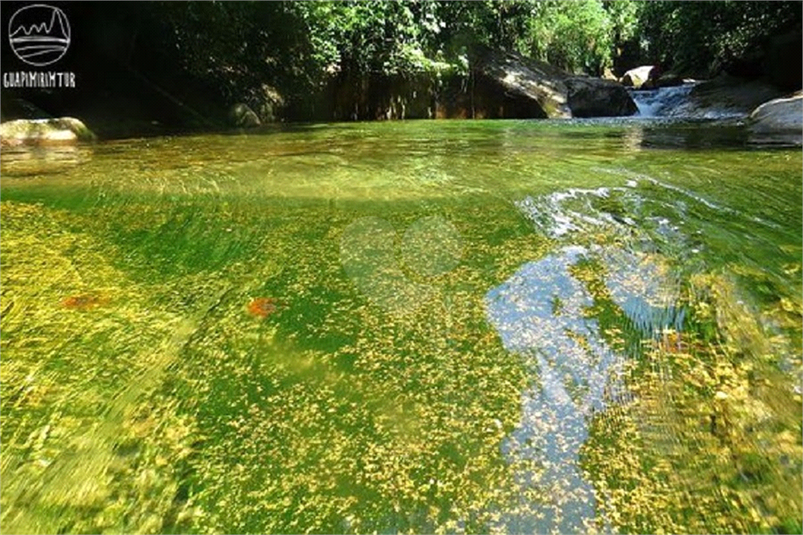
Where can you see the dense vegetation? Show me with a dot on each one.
(708, 36)
(303, 41)
(275, 55)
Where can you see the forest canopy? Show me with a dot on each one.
(280, 55)
(303, 40)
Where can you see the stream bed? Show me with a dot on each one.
(428, 327)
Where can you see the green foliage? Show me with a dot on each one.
(242, 49)
(575, 36)
(371, 36)
(247, 48)
(297, 45)
(274, 54)
(706, 35)
(624, 17)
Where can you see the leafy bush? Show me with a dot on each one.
(708, 36)
(252, 51)
(575, 36)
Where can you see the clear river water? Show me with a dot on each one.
(428, 327)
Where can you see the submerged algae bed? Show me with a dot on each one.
(408, 327)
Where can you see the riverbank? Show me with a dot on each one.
(503, 86)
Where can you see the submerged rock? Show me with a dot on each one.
(552, 92)
(778, 121)
(44, 131)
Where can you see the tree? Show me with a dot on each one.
(709, 36)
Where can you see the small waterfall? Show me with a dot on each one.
(661, 102)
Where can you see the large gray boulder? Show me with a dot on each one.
(44, 131)
(778, 121)
(556, 93)
(732, 95)
(638, 77)
(724, 97)
(593, 97)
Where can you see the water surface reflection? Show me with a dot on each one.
(543, 313)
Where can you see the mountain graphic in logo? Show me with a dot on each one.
(39, 34)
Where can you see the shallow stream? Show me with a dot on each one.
(448, 326)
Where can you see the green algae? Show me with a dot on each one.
(167, 407)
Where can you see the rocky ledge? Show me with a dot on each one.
(44, 132)
(779, 121)
(553, 92)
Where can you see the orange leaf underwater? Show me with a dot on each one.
(263, 307)
(83, 302)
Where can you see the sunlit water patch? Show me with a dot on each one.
(543, 313)
(646, 237)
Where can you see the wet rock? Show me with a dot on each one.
(669, 80)
(778, 121)
(736, 93)
(44, 131)
(592, 97)
(241, 116)
(643, 77)
(608, 74)
(532, 80)
(554, 93)
(725, 96)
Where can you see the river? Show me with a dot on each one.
(428, 326)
